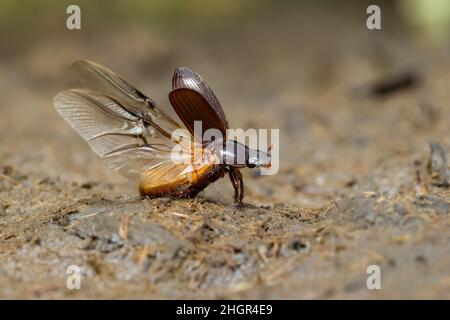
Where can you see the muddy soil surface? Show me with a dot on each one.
(364, 121)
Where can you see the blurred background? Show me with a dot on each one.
(345, 98)
(356, 109)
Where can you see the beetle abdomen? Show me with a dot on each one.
(182, 185)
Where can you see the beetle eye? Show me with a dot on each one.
(251, 165)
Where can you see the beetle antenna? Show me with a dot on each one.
(269, 149)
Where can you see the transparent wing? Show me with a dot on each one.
(126, 142)
(99, 78)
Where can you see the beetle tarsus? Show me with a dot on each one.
(238, 184)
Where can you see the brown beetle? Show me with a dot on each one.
(131, 134)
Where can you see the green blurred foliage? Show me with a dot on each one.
(163, 10)
(155, 12)
(431, 17)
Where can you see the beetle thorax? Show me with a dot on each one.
(230, 153)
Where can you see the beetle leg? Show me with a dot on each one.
(241, 185)
(235, 184)
(238, 184)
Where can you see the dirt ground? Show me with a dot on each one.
(364, 119)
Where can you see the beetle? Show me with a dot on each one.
(133, 136)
